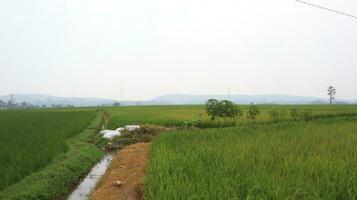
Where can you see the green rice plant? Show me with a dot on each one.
(65, 170)
(295, 114)
(277, 115)
(306, 115)
(288, 160)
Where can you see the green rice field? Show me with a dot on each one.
(44, 153)
(31, 139)
(274, 160)
(175, 115)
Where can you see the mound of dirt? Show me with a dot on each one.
(143, 134)
(125, 176)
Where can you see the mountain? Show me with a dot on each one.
(172, 99)
(242, 99)
(40, 99)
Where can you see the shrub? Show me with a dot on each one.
(191, 123)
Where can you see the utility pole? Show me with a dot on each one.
(121, 94)
(229, 94)
(11, 101)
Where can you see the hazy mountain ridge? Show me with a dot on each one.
(48, 100)
(170, 99)
(247, 99)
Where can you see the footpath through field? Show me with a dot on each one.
(125, 176)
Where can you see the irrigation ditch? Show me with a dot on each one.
(88, 184)
(111, 148)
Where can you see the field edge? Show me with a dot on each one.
(58, 178)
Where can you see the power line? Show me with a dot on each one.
(328, 9)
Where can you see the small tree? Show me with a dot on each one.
(212, 108)
(222, 109)
(229, 110)
(116, 104)
(253, 113)
(331, 91)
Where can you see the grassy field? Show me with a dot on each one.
(30, 140)
(314, 160)
(283, 160)
(43, 153)
(158, 115)
(175, 115)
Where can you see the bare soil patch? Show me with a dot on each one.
(125, 176)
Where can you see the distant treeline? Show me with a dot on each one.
(26, 105)
(10, 104)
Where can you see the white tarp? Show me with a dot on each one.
(109, 134)
(131, 127)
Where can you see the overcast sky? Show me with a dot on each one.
(154, 47)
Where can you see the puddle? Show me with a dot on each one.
(83, 190)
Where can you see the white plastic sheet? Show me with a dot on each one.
(109, 134)
(131, 127)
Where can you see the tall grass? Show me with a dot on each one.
(290, 160)
(29, 140)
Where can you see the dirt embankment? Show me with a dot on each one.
(125, 176)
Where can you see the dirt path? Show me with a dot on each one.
(105, 117)
(128, 167)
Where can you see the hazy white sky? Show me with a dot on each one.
(153, 47)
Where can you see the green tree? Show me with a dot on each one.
(229, 110)
(222, 109)
(331, 91)
(212, 108)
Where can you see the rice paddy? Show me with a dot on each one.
(283, 159)
(274, 159)
(31, 139)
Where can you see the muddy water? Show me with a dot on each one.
(83, 190)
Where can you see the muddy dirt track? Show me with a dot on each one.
(128, 167)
